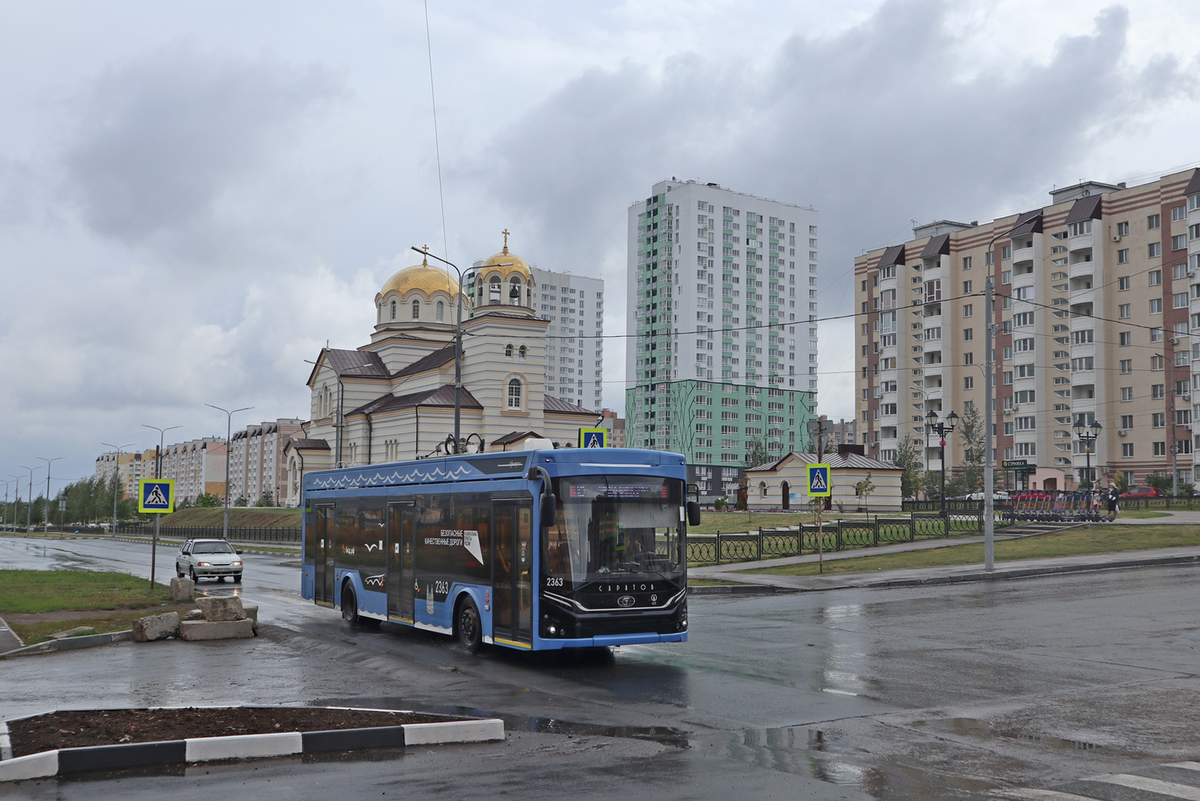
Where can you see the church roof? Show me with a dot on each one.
(429, 362)
(515, 436)
(836, 461)
(424, 277)
(560, 406)
(506, 263)
(441, 396)
(358, 363)
(308, 444)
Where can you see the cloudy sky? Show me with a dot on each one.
(194, 198)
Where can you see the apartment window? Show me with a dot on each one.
(1023, 345)
(1123, 256)
(1080, 228)
(1006, 252)
(1022, 318)
(1127, 450)
(1125, 338)
(1124, 311)
(1122, 229)
(1126, 369)
(1179, 271)
(1160, 449)
(1083, 363)
(1156, 335)
(966, 262)
(968, 334)
(1158, 420)
(1153, 221)
(968, 358)
(1179, 242)
(1123, 282)
(1155, 277)
(1156, 305)
(968, 309)
(1154, 250)
(1008, 377)
(1006, 277)
(1180, 300)
(969, 382)
(1127, 421)
(1178, 213)
(1126, 394)
(1158, 391)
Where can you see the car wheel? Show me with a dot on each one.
(469, 627)
(350, 606)
(237, 579)
(195, 580)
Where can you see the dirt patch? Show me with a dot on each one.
(78, 728)
(69, 614)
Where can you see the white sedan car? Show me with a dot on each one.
(199, 559)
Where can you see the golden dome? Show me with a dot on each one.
(423, 277)
(507, 264)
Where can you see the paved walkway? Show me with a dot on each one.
(8, 640)
(950, 573)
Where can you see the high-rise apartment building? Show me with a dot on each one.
(721, 323)
(128, 470)
(256, 461)
(574, 305)
(1097, 299)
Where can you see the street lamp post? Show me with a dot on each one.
(228, 433)
(29, 505)
(16, 499)
(941, 429)
(458, 444)
(1087, 440)
(7, 518)
(46, 527)
(116, 483)
(157, 474)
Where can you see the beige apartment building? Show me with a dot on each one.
(256, 460)
(196, 467)
(1097, 295)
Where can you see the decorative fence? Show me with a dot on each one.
(836, 535)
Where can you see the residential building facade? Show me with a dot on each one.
(574, 306)
(256, 461)
(722, 337)
(128, 469)
(196, 467)
(1096, 301)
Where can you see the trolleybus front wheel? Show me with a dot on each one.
(349, 606)
(469, 626)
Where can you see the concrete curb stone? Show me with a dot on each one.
(65, 761)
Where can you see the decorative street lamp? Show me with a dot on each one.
(459, 445)
(1087, 440)
(941, 429)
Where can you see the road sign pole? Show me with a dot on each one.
(154, 550)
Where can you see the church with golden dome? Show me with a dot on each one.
(392, 399)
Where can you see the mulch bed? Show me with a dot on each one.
(78, 728)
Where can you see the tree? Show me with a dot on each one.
(266, 499)
(864, 488)
(206, 500)
(970, 428)
(908, 458)
(241, 500)
(756, 453)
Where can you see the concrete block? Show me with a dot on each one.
(33, 766)
(252, 614)
(458, 731)
(193, 614)
(156, 627)
(222, 607)
(194, 630)
(204, 749)
(78, 631)
(182, 589)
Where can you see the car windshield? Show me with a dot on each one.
(211, 547)
(615, 525)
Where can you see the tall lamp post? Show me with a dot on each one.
(29, 505)
(458, 444)
(7, 519)
(116, 483)
(1087, 440)
(16, 499)
(157, 474)
(941, 429)
(228, 433)
(48, 462)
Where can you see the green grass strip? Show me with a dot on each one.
(36, 591)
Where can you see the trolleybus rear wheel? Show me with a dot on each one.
(469, 626)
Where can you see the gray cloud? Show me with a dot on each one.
(161, 142)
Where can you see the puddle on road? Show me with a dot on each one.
(981, 728)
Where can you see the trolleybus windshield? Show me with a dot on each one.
(615, 525)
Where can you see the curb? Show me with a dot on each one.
(68, 761)
(71, 643)
(998, 575)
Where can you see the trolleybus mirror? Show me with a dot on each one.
(549, 509)
(693, 513)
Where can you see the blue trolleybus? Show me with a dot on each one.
(539, 549)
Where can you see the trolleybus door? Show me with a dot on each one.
(400, 561)
(323, 556)
(512, 580)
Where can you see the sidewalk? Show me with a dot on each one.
(939, 575)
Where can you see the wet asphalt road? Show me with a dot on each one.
(943, 692)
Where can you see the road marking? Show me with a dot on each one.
(1150, 785)
(1184, 765)
(1047, 795)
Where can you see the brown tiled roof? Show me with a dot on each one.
(560, 406)
(308, 444)
(1086, 208)
(834, 460)
(435, 359)
(936, 246)
(1028, 223)
(362, 364)
(441, 396)
(893, 255)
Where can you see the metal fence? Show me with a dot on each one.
(837, 535)
(244, 534)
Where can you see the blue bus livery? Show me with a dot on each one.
(536, 550)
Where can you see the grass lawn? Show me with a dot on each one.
(1086, 540)
(36, 591)
(1141, 514)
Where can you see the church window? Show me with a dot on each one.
(441, 308)
(508, 351)
(521, 352)
(393, 310)
(514, 393)
(416, 310)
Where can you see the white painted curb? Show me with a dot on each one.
(33, 766)
(465, 731)
(243, 746)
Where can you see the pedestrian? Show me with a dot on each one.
(1114, 496)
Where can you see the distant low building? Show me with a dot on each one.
(783, 483)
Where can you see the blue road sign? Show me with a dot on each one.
(818, 481)
(156, 496)
(593, 438)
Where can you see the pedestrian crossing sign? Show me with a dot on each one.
(818, 481)
(593, 438)
(156, 496)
